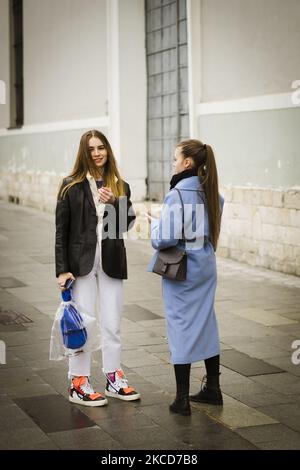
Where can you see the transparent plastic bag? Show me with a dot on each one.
(74, 331)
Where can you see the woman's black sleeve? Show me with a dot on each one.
(62, 221)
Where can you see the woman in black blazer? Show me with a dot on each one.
(93, 211)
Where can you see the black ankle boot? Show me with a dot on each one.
(210, 391)
(181, 405)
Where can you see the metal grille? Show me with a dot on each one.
(167, 115)
(10, 317)
(16, 12)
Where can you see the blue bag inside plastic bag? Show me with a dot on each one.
(73, 331)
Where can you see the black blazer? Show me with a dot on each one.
(76, 236)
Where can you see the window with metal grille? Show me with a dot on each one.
(167, 100)
(16, 64)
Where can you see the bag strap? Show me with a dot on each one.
(182, 205)
(183, 237)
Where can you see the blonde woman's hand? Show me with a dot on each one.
(62, 278)
(106, 195)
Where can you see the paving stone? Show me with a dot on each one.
(163, 356)
(79, 437)
(283, 310)
(238, 388)
(134, 295)
(151, 437)
(32, 293)
(12, 361)
(12, 317)
(284, 383)
(31, 390)
(202, 436)
(246, 365)
(256, 400)
(290, 329)
(196, 368)
(262, 316)
(276, 445)
(54, 413)
(58, 371)
(162, 347)
(149, 324)
(7, 282)
(44, 259)
(114, 410)
(137, 313)
(38, 365)
(167, 379)
(237, 326)
(47, 305)
(24, 438)
(283, 341)
(229, 376)
(129, 326)
(12, 417)
(154, 397)
(144, 339)
(235, 414)
(47, 445)
(109, 444)
(17, 377)
(163, 444)
(30, 352)
(10, 328)
(225, 347)
(230, 444)
(30, 311)
(5, 400)
(175, 423)
(142, 360)
(20, 338)
(156, 302)
(285, 363)
(206, 441)
(270, 433)
(293, 315)
(288, 414)
(60, 386)
(155, 370)
(259, 350)
(126, 424)
(198, 431)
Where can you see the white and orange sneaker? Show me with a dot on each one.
(82, 393)
(117, 387)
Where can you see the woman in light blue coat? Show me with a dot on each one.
(189, 305)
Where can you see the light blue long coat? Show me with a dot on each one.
(189, 305)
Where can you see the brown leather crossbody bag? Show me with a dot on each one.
(172, 262)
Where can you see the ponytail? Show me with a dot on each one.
(208, 176)
(205, 164)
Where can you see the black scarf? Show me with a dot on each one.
(180, 176)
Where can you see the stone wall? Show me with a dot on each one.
(31, 189)
(260, 227)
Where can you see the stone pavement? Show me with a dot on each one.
(259, 318)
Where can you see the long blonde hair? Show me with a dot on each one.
(84, 164)
(205, 164)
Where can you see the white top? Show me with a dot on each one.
(99, 205)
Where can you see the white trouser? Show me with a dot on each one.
(102, 296)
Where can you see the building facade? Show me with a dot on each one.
(148, 74)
